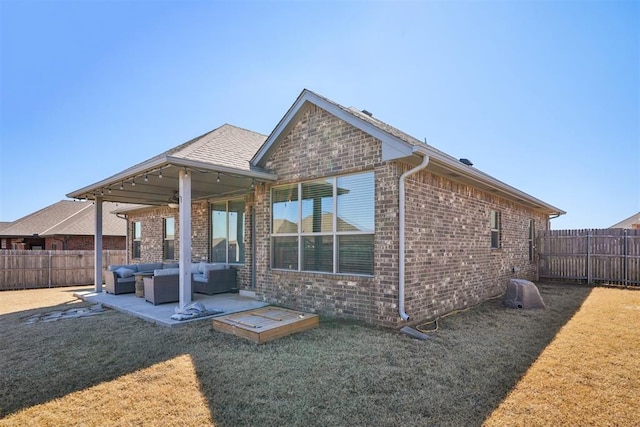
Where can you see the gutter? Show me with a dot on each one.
(421, 166)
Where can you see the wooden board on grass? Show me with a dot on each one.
(265, 324)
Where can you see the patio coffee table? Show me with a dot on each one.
(140, 282)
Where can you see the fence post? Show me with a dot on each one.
(49, 271)
(626, 258)
(588, 257)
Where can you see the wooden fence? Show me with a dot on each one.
(42, 269)
(609, 256)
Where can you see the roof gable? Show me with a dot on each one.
(392, 147)
(397, 145)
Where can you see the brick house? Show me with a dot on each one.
(335, 212)
(64, 225)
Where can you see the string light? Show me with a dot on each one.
(218, 179)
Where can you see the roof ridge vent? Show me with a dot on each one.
(367, 113)
(466, 162)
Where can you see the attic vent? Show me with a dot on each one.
(466, 162)
(367, 113)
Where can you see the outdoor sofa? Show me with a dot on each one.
(213, 278)
(120, 278)
(206, 278)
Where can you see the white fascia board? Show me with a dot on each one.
(167, 161)
(392, 147)
(208, 167)
(119, 177)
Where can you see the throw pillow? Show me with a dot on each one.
(124, 272)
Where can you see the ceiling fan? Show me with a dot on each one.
(174, 201)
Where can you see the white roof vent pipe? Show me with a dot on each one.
(425, 162)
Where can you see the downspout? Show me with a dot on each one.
(425, 162)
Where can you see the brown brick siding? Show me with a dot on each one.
(85, 243)
(449, 261)
(321, 145)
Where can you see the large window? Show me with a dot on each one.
(325, 225)
(168, 248)
(495, 229)
(137, 240)
(227, 231)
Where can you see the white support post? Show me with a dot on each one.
(185, 239)
(97, 250)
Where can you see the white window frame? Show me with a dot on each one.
(244, 212)
(497, 229)
(334, 233)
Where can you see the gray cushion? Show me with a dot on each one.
(114, 267)
(171, 265)
(199, 277)
(195, 268)
(149, 267)
(201, 267)
(166, 271)
(124, 272)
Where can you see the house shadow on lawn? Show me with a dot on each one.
(343, 373)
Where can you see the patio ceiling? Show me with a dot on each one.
(156, 181)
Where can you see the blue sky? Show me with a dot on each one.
(542, 95)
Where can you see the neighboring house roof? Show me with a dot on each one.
(281, 225)
(632, 222)
(397, 145)
(4, 224)
(67, 217)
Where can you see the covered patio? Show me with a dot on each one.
(213, 165)
(161, 314)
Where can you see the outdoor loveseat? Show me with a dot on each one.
(213, 278)
(120, 279)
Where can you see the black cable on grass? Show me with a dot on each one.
(421, 329)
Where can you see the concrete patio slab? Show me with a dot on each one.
(161, 314)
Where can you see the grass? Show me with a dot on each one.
(489, 364)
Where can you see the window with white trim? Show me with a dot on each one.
(169, 235)
(326, 225)
(532, 240)
(137, 240)
(495, 229)
(227, 231)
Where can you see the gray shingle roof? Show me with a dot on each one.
(67, 217)
(227, 145)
